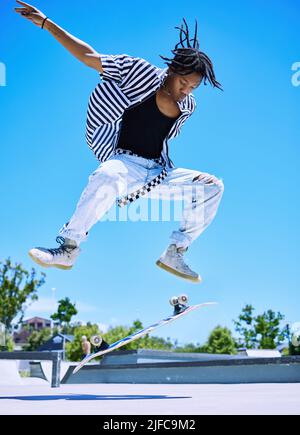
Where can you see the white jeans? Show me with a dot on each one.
(124, 174)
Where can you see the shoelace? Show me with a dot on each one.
(179, 254)
(62, 249)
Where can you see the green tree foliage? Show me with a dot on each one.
(146, 342)
(37, 338)
(65, 311)
(268, 330)
(6, 342)
(187, 348)
(263, 331)
(293, 350)
(245, 327)
(18, 288)
(220, 341)
(10, 344)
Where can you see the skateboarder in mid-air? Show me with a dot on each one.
(132, 115)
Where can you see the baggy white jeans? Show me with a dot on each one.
(124, 174)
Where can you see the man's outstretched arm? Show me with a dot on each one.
(82, 51)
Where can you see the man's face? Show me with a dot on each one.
(180, 86)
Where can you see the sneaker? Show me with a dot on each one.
(63, 257)
(172, 261)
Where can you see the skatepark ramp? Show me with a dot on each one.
(9, 374)
(43, 369)
(13, 357)
(145, 368)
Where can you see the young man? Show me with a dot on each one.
(85, 346)
(132, 115)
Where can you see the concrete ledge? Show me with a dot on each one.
(142, 356)
(220, 371)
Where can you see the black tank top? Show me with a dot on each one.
(144, 128)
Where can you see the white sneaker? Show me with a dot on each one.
(172, 261)
(63, 257)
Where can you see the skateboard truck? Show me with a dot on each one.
(180, 303)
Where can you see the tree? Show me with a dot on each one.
(263, 331)
(187, 348)
(18, 288)
(267, 326)
(147, 342)
(220, 341)
(244, 326)
(65, 311)
(37, 338)
(6, 341)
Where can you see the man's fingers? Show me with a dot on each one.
(25, 4)
(22, 12)
(25, 15)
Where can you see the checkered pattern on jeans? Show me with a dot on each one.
(145, 189)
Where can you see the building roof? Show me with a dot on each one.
(36, 319)
(56, 342)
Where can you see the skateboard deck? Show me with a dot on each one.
(139, 334)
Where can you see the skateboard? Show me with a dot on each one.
(181, 309)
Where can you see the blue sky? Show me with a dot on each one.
(247, 135)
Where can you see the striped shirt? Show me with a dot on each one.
(126, 81)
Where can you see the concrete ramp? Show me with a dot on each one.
(54, 356)
(46, 368)
(9, 374)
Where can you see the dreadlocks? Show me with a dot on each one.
(190, 59)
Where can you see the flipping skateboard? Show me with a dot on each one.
(181, 308)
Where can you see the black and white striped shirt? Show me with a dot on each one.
(126, 81)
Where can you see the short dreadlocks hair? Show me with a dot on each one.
(190, 59)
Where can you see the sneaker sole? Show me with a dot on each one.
(175, 272)
(40, 263)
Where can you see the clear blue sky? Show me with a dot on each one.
(248, 136)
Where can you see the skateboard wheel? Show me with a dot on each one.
(183, 299)
(96, 340)
(174, 301)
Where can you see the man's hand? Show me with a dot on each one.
(31, 13)
(82, 51)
